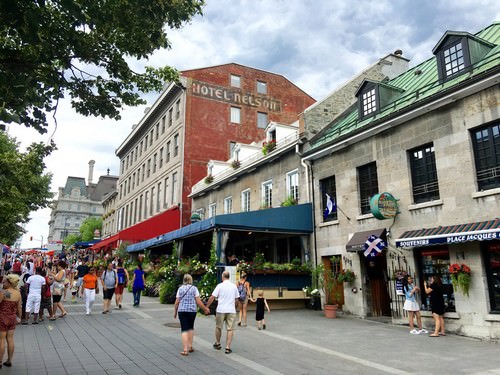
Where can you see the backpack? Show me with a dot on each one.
(243, 291)
(122, 278)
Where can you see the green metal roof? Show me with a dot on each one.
(418, 84)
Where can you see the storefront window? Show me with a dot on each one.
(436, 261)
(492, 261)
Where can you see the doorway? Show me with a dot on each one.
(377, 284)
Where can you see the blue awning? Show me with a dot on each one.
(294, 219)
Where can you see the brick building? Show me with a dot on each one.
(201, 118)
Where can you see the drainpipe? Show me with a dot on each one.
(307, 164)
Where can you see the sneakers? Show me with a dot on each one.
(423, 330)
(414, 331)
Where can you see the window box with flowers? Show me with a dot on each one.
(267, 147)
(460, 278)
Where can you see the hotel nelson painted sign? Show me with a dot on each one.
(384, 206)
(225, 95)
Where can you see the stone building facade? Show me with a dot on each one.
(430, 138)
(77, 201)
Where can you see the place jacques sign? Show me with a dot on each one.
(449, 239)
(223, 94)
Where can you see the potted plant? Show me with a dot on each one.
(235, 164)
(267, 147)
(209, 179)
(328, 281)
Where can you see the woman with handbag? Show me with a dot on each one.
(58, 288)
(186, 300)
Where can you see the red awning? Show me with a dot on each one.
(162, 223)
(110, 242)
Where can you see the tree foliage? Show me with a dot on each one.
(88, 227)
(70, 239)
(23, 185)
(83, 48)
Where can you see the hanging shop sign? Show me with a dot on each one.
(384, 206)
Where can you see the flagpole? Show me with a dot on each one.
(340, 209)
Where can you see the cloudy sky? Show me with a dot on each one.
(317, 44)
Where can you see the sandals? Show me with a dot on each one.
(228, 351)
(191, 350)
(217, 346)
(184, 353)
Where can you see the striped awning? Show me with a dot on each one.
(479, 231)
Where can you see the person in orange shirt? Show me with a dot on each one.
(91, 288)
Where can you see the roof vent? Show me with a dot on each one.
(398, 52)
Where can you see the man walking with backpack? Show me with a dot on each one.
(123, 280)
(109, 280)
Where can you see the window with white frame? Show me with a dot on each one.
(292, 185)
(178, 109)
(369, 102)
(235, 115)
(261, 87)
(261, 120)
(176, 144)
(267, 194)
(228, 205)
(174, 187)
(245, 200)
(235, 81)
(212, 209)
(165, 193)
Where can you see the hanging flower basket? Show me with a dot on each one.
(460, 278)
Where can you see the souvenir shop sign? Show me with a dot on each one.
(384, 206)
(452, 238)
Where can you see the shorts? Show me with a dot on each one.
(119, 288)
(79, 282)
(411, 306)
(108, 293)
(229, 318)
(187, 320)
(33, 303)
(46, 303)
(56, 298)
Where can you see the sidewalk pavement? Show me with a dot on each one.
(146, 340)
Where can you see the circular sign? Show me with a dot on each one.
(384, 206)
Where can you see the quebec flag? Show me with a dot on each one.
(373, 246)
(330, 206)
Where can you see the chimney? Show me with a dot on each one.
(91, 171)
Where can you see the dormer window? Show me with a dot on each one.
(457, 52)
(373, 97)
(368, 99)
(369, 102)
(453, 59)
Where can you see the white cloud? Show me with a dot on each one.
(317, 44)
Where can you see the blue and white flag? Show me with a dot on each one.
(330, 206)
(373, 246)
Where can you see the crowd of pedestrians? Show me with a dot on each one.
(35, 283)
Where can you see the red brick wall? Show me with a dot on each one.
(208, 130)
